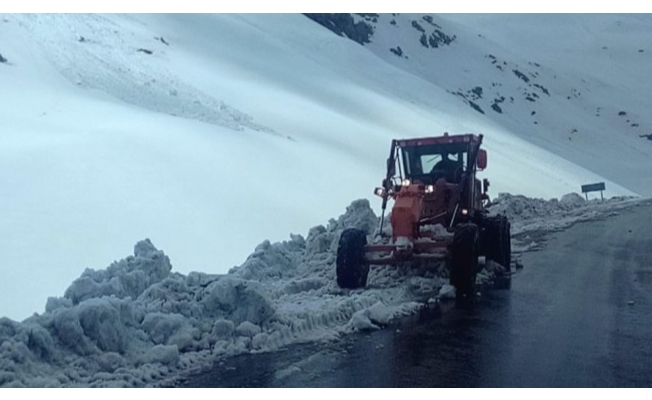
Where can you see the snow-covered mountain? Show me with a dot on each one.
(576, 85)
(212, 133)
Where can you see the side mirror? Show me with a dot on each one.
(482, 159)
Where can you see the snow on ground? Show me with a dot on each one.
(531, 218)
(209, 134)
(139, 323)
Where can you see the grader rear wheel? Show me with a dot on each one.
(496, 241)
(464, 260)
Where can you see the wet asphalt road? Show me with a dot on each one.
(578, 315)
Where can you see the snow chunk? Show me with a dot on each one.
(361, 321)
(380, 313)
(359, 215)
(39, 341)
(14, 352)
(200, 279)
(493, 267)
(57, 302)
(223, 328)
(269, 262)
(261, 341)
(238, 300)
(8, 328)
(170, 329)
(110, 361)
(319, 241)
(248, 329)
(166, 355)
(304, 285)
(173, 296)
(446, 292)
(572, 200)
(8, 379)
(126, 278)
(97, 324)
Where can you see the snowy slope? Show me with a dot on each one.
(210, 134)
(576, 85)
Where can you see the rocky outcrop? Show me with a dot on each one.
(345, 25)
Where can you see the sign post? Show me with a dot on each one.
(594, 187)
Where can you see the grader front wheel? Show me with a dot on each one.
(351, 267)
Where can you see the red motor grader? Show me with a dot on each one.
(439, 215)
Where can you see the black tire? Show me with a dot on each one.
(507, 244)
(496, 245)
(464, 260)
(351, 267)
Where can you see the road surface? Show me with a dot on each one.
(578, 315)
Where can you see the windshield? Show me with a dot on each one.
(428, 163)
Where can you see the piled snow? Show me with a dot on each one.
(572, 199)
(531, 218)
(137, 323)
(520, 207)
(527, 214)
(127, 278)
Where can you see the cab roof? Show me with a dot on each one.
(445, 139)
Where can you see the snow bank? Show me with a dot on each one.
(531, 218)
(137, 323)
(517, 207)
(528, 214)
